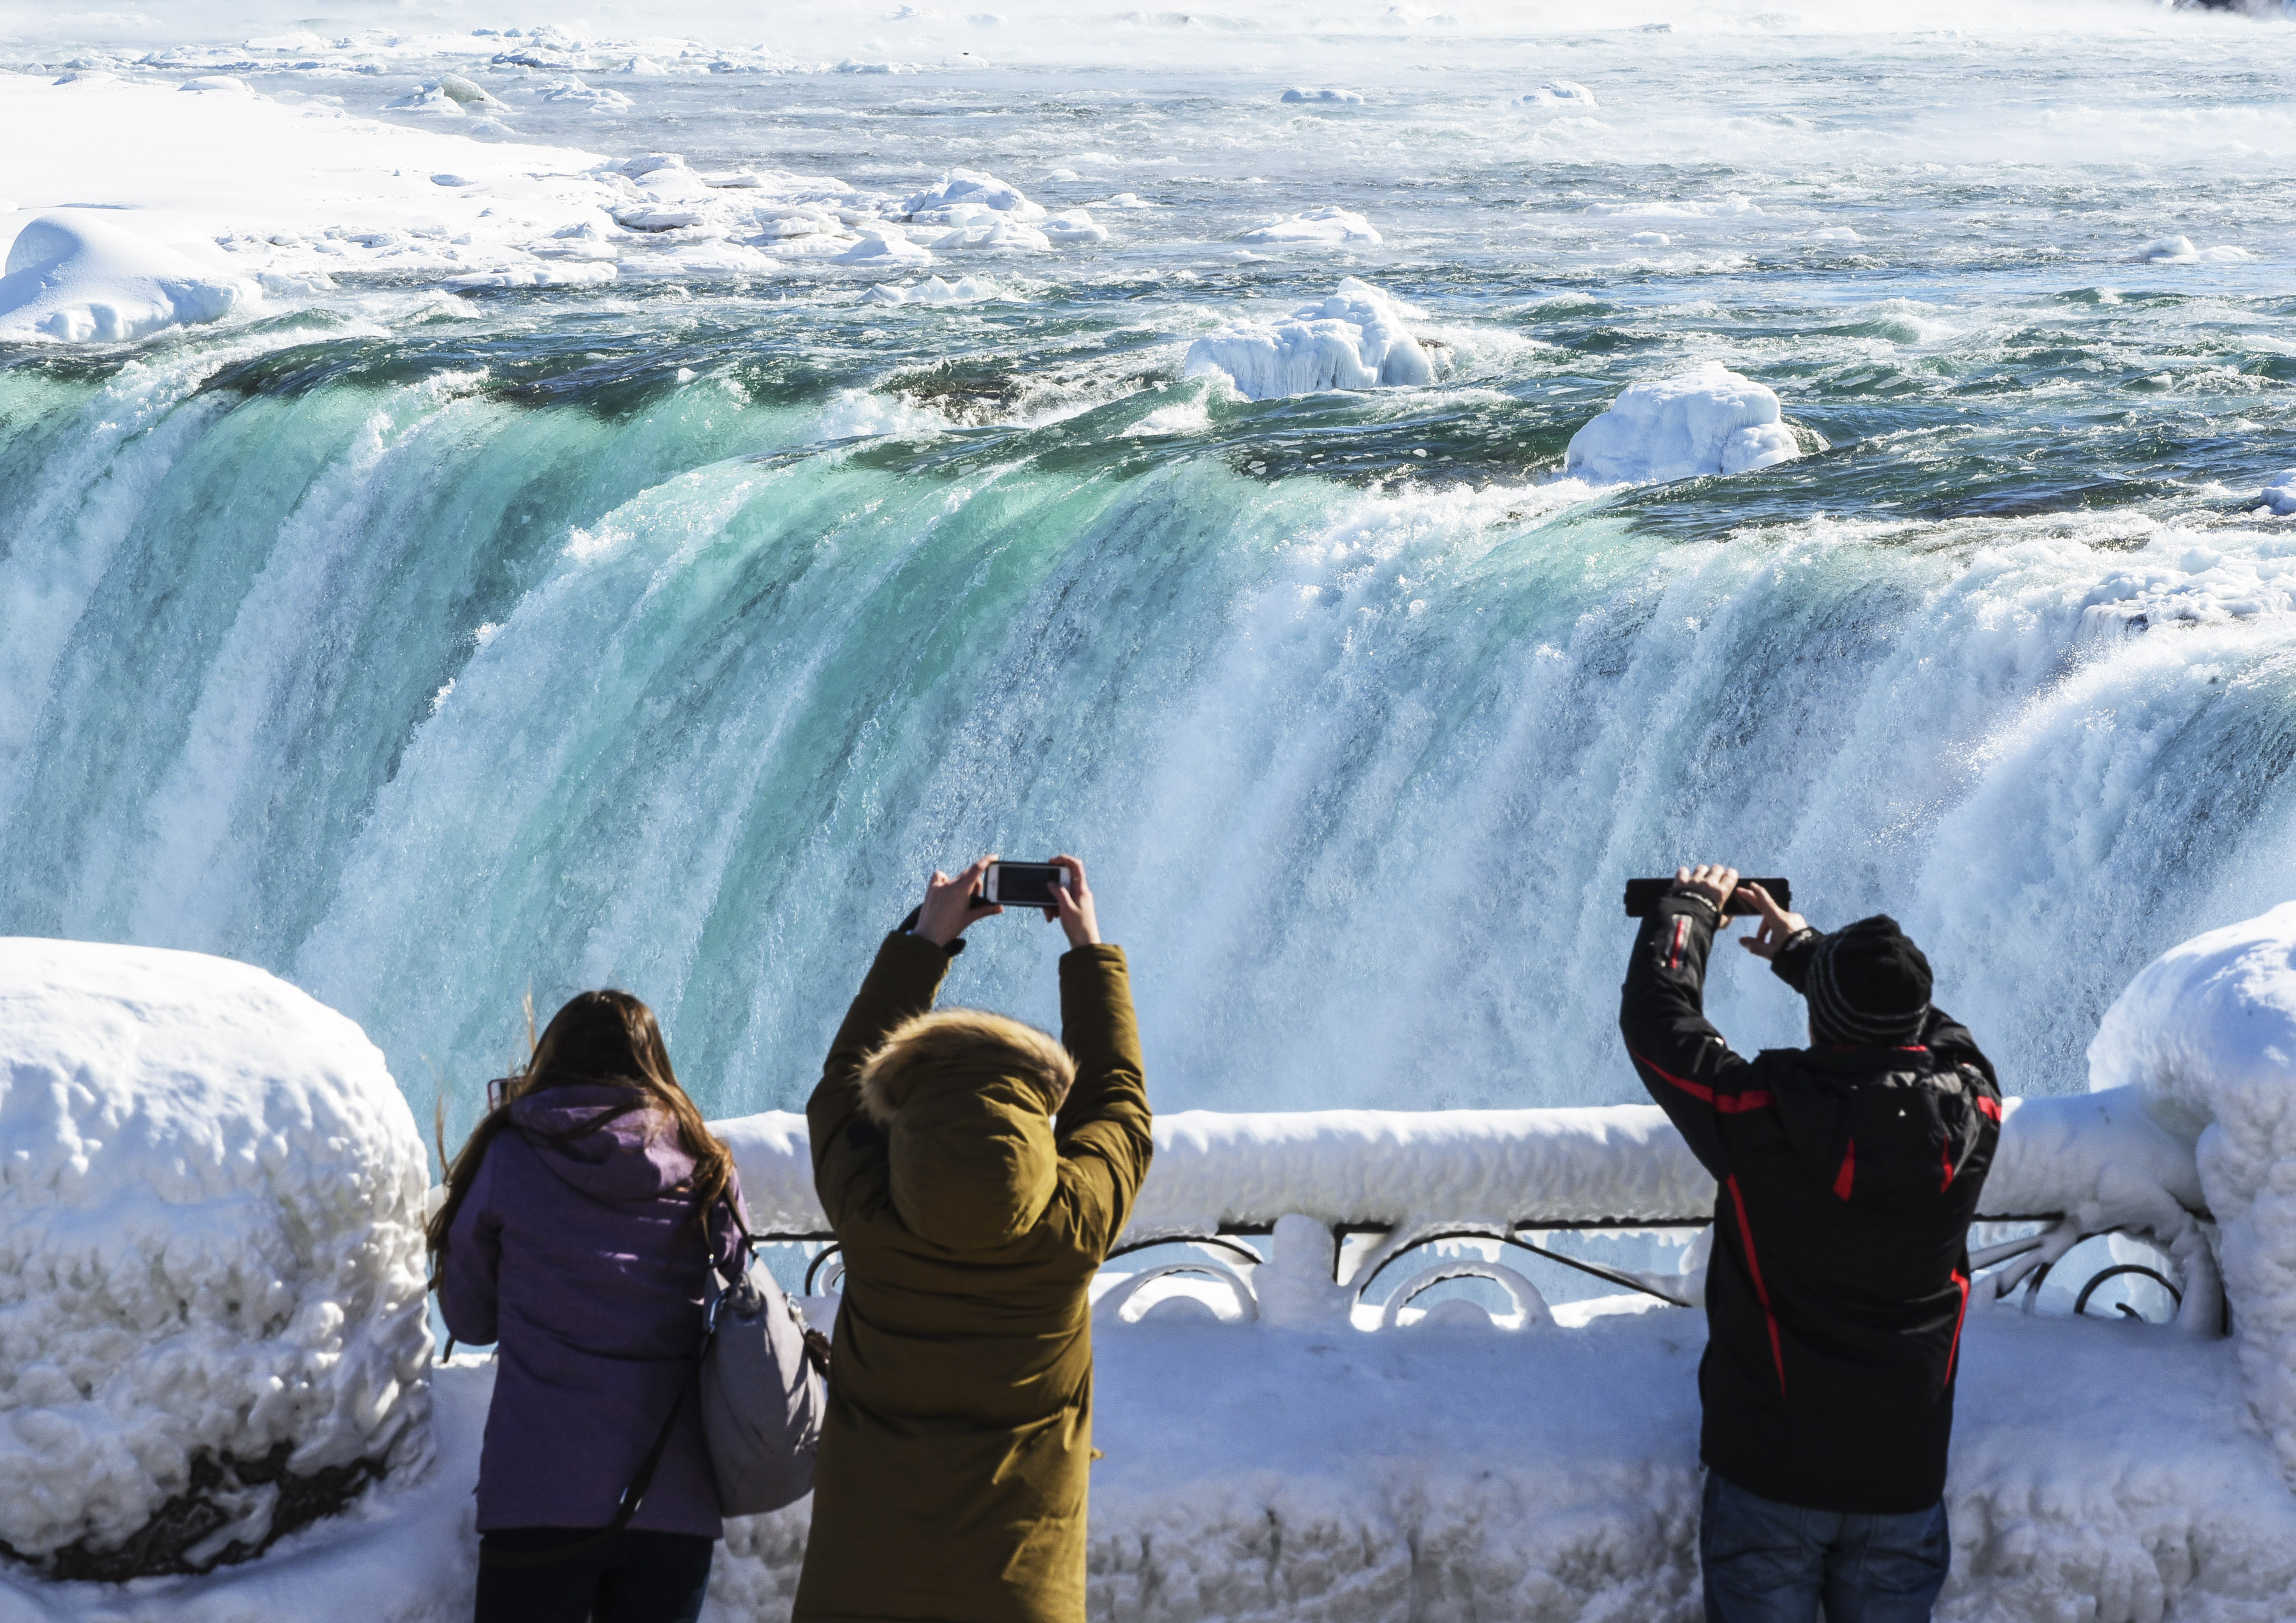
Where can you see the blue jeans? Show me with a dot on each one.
(633, 1578)
(1767, 1562)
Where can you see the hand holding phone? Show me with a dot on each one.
(1057, 886)
(951, 904)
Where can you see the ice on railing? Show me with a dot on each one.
(2098, 1157)
(2205, 1039)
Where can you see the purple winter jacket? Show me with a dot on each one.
(577, 1259)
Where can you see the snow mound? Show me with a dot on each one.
(76, 280)
(1708, 421)
(570, 273)
(2206, 1034)
(933, 290)
(883, 245)
(211, 1265)
(2179, 251)
(1326, 228)
(962, 193)
(1356, 338)
(1074, 225)
(448, 97)
(1561, 93)
(1301, 94)
(1651, 239)
(2280, 492)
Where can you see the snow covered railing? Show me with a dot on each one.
(2085, 1165)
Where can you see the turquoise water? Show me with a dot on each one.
(428, 649)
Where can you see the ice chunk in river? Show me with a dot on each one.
(77, 280)
(210, 1249)
(1327, 227)
(1708, 421)
(1356, 338)
(1561, 93)
(1301, 94)
(963, 192)
(2280, 491)
(2179, 251)
(883, 245)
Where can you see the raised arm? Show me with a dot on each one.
(848, 1149)
(1103, 1125)
(1681, 1057)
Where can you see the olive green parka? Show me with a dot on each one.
(952, 1479)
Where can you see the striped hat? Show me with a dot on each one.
(1868, 986)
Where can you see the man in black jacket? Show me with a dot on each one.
(1849, 1172)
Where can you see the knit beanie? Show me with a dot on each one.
(1868, 986)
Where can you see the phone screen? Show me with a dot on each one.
(1024, 884)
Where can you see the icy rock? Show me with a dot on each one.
(1707, 421)
(980, 231)
(223, 82)
(212, 1257)
(963, 193)
(1561, 93)
(1301, 94)
(77, 280)
(1356, 338)
(2179, 251)
(447, 97)
(1651, 239)
(2280, 492)
(933, 290)
(573, 92)
(1327, 227)
(1073, 226)
(883, 245)
(2206, 1034)
(568, 273)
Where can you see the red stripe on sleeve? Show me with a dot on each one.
(1729, 1104)
(1848, 1172)
(1991, 1107)
(1954, 1352)
(1761, 1292)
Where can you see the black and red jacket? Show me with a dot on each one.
(1840, 1276)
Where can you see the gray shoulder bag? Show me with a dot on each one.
(762, 1391)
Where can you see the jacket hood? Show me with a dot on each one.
(966, 1101)
(607, 1139)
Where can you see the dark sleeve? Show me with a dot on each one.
(468, 1276)
(1949, 1039)
(728, 1227)
(1103, 1125)
(849, 1150)
(1791, 965)
(1682, 1059)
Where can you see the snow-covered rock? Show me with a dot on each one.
(2206, 1034)
(450, 96)
(981, 231)
(1710, 420)
(933, 290)
(1073, 226)
(1327, 227)
(2179, 251)
(1300, 93)
(1356, 338)
(1561, 93)
(77, 280)
(2280, 491)
(567, 273)
(963, 192)
(212, 1262)
(883, 245)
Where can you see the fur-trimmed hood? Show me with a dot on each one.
(966, 1099)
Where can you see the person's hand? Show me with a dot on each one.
(1074, 907)
(1710, 880)
(949, 905)
(1777, 927)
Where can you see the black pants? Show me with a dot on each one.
(633, 1578)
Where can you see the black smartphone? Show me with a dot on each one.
(1023, 883)
(1643, 894)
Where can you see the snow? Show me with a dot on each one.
(963, 193)
(2179, 251)
(74, 278)
(2280, 491)
(1561, 93)
(1356, 338)
(2206, 1037)
(210, 1242)
(933, 290)
(1301, 94)
(1330, 226)
(1710, 420)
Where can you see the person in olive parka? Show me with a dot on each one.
(976, 1173)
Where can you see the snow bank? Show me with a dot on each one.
(211, 1265)
(1326, 228)
(72, 279)
(1561, 93)
(2206, 1037)
(1356, 338)
(1708, 421)
(2280, 491)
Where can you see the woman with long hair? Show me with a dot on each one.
(580, 1225)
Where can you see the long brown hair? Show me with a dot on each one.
(604, 1036)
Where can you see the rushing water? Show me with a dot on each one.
(428, 649)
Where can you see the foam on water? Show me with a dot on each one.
(664, 629)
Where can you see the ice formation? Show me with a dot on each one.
(1561, 93)
(76, 280)
(2280, 492)
(2179, 251)
(963, 195)
(212, 1306)
(1356, 338)
(2206, 1035)
(1326, 228)
(1708, 421)
(1301, 94)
